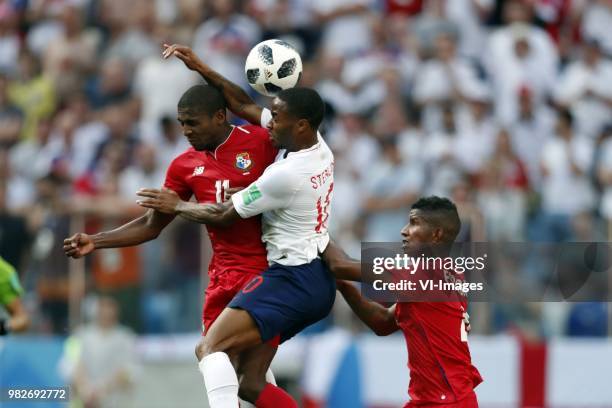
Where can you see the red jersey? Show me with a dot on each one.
(439, 360)
(237, 162)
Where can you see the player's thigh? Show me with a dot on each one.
(232, 332)
(252, 367)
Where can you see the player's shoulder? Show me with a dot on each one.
(252, 133)
(185, 158)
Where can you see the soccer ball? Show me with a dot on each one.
(272, 66)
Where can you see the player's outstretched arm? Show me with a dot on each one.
(137, 231)
(340, 264)
(377, 317)
(238, 101)
(168, 202)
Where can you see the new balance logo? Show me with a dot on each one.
(198, 170)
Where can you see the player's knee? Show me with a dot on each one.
(207, 346)
(250, 388)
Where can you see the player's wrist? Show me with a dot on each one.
(179, 208)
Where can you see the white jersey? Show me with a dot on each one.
(294, 194)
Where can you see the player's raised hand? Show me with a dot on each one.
(164, 200)
(78, 245)
(184, 53)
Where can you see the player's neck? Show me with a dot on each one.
(223, 136)
(306, 142)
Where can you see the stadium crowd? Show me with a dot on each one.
(503, 106)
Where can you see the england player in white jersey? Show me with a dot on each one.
(297, 290)
(294, 195)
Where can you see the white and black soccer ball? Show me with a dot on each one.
(272, 66)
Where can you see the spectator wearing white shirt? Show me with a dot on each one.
(443, 78)
(566, 188)
(596, 23)
(392, 185)
(604, 176)
(528, 133)
(585, 87)
(520, 54)
(224, 40)
(345, 25)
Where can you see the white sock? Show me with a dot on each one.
(270, 377)
(220, 380)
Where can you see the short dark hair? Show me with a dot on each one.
(202, 99)
(304, 103)
(441, 212)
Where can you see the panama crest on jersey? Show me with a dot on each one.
(243, 161)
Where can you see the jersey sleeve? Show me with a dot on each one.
(175, 180)
(266, 117)
(10, 288)
(274, 190)
(262, 136)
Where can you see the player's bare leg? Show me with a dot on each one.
(233, 332)
(254, 363)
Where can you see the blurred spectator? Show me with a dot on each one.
(596, 22)
(225, 39)
(585, 87)
(15, 237)
(33, 92)
(476, 131)
(11, 117)
(112, 86)
(101, 359)
(342, 19)
(443, 169)
(10, 44)
(529, 131)
(445, 77)
(392, 186)
(502, 194)
(566, 188)
(520, 55)
(604, 175)
(71, 56)
(469, 16)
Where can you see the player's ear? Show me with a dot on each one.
(303, 124)
(438, 235)
(220, 115)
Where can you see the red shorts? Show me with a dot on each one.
(469, 401)
(220, 291)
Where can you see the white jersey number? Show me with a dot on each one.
(221, 186)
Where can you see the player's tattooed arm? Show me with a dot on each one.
(340, 264)
(238, 101)
(218, 215)
(377, 317)
(168, 201)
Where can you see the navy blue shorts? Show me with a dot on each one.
(284, 300)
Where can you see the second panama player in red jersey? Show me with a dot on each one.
(441, 370)
(222, 157)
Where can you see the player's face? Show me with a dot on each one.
(282, 124)
(417, 232)
(199, 129)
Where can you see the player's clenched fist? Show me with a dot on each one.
(78, 245)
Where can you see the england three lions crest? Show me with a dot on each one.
(243, 161)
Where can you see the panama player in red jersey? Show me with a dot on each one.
(222, 158)
(441, 371)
